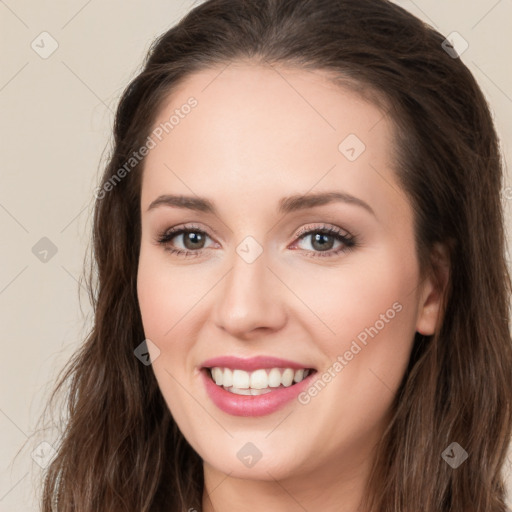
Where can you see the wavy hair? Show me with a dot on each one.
(121, 449)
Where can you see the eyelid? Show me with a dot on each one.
(347, 240)
(342, 236)
(178, 230)
(324, 226)
(318, 226)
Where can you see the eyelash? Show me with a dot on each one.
(349, 241)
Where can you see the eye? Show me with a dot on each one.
(193, 239)
(322, 239)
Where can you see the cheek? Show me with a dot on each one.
(372, 313)
(169, 302)
(369, 307)
(161, 305)
(155, 298)
(375, 326)
(347, 299)
(163, 293)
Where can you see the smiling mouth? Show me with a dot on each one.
(257, 382)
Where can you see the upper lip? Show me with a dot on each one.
(252, 363)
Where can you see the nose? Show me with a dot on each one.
(249, 301)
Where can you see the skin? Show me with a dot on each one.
(259, 134)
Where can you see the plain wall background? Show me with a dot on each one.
(55, 125)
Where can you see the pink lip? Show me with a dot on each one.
(248, 405)
(252, 363)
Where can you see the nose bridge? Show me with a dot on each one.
(249, 298)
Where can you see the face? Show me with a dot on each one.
(330, 284)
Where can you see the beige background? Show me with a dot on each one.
(56, 121)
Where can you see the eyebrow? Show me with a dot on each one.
(286, 204)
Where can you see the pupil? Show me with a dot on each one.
(318, 237)
(194, 238)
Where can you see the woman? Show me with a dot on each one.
(302, 298)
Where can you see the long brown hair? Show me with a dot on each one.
(121, 450)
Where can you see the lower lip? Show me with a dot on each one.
(249, 405)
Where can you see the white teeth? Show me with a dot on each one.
(242, 391)
(274, 378)
(257, 391)
(240, 379)
(217, 376)
(257, 382)
(287, 377)
(249, 391)
(227, 377)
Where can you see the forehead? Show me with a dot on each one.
(260, 129)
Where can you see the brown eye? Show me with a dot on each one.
(321, 241)
(324, 238)
(193, 240)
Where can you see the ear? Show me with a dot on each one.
(433, 288)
